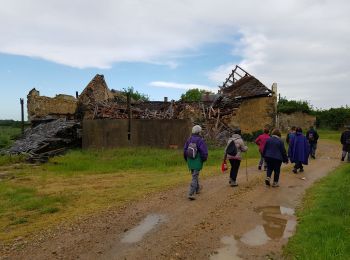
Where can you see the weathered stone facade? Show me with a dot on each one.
(254, 114)
(300, 119)
(41, 107)
(95, 92)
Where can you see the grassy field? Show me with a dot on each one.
(83, 182)
(324, 220)
(331, 135)
(7, 134)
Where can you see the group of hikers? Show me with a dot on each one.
(271, 147)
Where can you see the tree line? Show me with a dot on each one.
(333, 118)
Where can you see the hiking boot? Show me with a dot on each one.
(295, 170)
(234, 184)
(191, 197)
(275, 184)
(301, 170)
(267, 181)
(259, 167)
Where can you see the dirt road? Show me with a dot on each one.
(250, 221)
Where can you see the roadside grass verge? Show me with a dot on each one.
(84, 182)
(323, 230)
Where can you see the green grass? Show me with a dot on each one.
(84, 182)
(7, 135)
(324, 220)
(331, 135)
(11, 159)
(125, 159)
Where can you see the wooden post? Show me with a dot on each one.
(22, 114)
(129, 114)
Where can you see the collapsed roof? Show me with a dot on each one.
(240, 84)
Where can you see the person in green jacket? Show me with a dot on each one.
(195, 154)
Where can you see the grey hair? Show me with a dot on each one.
(196, 129)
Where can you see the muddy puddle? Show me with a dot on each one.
(146, 225)
(278, 223)
(228, 252)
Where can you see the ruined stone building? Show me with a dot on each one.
(242, 101)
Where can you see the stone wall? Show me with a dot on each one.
(41, 107)
(254, 114)
(296, 119)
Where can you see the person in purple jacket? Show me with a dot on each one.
(195, 164)
(274, 153)
(298, 151)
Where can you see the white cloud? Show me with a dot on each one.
(300, 44)
(164, 84)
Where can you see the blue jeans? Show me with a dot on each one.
(313, 147)
(273, 165)
(262, 161)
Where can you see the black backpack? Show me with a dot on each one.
(231, 148)
(347, 140)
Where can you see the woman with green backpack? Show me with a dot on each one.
(195, 154)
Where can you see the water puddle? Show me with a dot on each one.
(255, 237)
(136, 234)
(279, 222)
(228, 252)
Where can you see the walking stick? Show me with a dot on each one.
(246, 165)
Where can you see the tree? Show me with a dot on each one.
(135, 95)
(194, 94)
(290, 106)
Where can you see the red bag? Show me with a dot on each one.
(223, 166)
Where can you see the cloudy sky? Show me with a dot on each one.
(163, 47)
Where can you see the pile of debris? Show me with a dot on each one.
(47, 140)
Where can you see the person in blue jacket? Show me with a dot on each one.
(274, 153)
(195, 164)
(298, 151)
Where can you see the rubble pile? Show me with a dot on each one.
(47, 140)
(213, 116)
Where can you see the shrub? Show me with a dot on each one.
(333, 118)
(291, 106)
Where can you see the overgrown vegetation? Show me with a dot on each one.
(291, 106)
(193, 95)
(333, 118)
(135, 95)
(324, 220)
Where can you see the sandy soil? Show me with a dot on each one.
(250, 221)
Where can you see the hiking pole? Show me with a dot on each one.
(246, 165)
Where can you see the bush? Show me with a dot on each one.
(252, 136)
(193, 95)
(135, 95)
(333, 118)
(291, 106)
